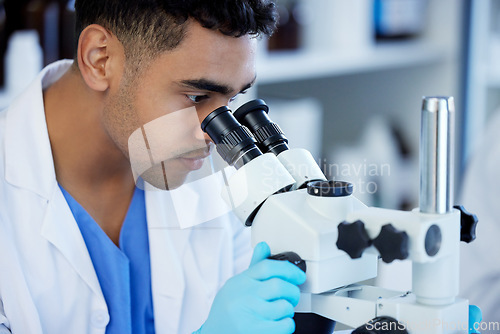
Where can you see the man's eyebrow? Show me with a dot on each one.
(208, 85)
(212, 86)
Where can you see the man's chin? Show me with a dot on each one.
(158, 178)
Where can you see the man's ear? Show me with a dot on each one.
(100, 57)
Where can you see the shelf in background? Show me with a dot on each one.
(302, 65)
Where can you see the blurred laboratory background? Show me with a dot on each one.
(343, 78)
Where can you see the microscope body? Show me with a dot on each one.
(307, 223)
(289, 204)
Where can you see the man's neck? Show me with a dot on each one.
(87, 162)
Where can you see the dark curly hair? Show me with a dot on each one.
(160, 25)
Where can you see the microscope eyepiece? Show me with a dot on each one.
(234, 142)
(268, 134)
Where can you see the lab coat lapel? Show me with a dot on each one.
(60, 229)
(167, 243)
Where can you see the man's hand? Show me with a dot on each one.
(259, 300)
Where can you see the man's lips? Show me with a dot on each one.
(197, 156)
(193, 163)
(194, 160)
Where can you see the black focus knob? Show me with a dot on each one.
(291, 257)
(468, 223)
(353, 238)
(392, 244)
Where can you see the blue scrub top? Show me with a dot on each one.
(124, 273)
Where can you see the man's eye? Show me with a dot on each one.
(197, 98)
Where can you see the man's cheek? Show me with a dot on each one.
(173, 134)
(164, 138)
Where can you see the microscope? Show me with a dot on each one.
(319, 225)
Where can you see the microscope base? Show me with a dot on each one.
(356, 305)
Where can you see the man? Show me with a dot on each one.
(83, 248)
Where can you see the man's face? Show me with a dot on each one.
(154, 116)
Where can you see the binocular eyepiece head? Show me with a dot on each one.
(234, 142)
(233, 134)
(254, 115)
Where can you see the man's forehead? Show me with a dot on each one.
(218, 63)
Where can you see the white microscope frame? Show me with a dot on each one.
(308, 225)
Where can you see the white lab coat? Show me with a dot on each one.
(480, 194)
(47, 281)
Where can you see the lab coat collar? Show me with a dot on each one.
(26, 126)
(30, 166)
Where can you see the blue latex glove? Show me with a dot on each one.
(475, 318)
(259, 300)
